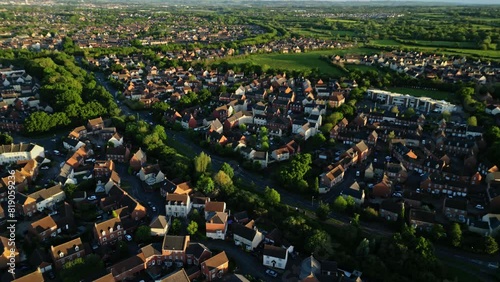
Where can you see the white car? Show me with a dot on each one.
(271, 273)
(92, 198)
(45, 167)
(128, 237)
(479, 207)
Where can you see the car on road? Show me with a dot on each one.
(128, 237)
(44, 167)
(272, 273)
(92, 198)
(153, 208)
(479, 207)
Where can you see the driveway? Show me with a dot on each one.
(247, 264)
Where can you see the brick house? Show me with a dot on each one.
(390, 210)
(329, 179)
(25, 205)
(455, 209)
(109, 231)
(67, 252)
(44, 228)
(174, 249)
(197, 253)
(118, 154)
(95, 124)
(215, 267)
(422, 219)
(138, 160)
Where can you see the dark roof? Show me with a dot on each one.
(273, 251)
(243, 231)
(422, 215)
(458, 204)
(151, 250)
(391, 206)
(196, 249)
(159, 222)
(171, 242)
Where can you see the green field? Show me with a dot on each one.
(434, 94)
(352, 67)
(301, 61)
(492, 54)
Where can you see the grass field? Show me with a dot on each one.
(352, 67)
(301, 61)
(434, 94)
(492, 54)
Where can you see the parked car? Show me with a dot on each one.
(128, 237)
(153, 208)
(92, 198)
(479, 207)
(271, 273)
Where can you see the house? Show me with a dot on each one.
(35, 276)
(138, 160)
(116, 140)
(151, 174)
(72, 144)
(67, 252)
(455, 209)
(48, 198)
(178, 276)
(216, 225)
(178, 205)
(331, 178)
(382, 189)
(422, 219)
(362, 149)
(390, 210)
(159, 225)
(355, 192)
(492, 109)
(197, 253)
(214, 207)
(25, 205)
(247, 235)
(78, 132)
(103, 168)
(275, 257)
(95, 124)
(241, 217)
(44, 228)
(109, 231)
(7, 252)
(118, 154)
(127, 268)
(20, 152)
(174, 249)
(41, 260)
(215, 267)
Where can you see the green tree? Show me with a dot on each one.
(6, 139)
(446, 115)
(490, 245)
(472, 121)
(363, 248)
(228, 170)
(438, 232)
(409, 112)
(395, 110)
(202, 163)
(192, 228)
(206, 185)
(272, 196)
(455, 235)
(222, 180)
(323, 211)
(320, 244)
(176, 226)
(340, 204)
(143, 234)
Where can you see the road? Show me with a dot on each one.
(295, 200)
(246, 263)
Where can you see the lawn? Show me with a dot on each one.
(352, 67)
(492, 54)
(301, 61)
(181, 148)
(462, 271)
(434, 94)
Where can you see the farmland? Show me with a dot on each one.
(301, 61)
